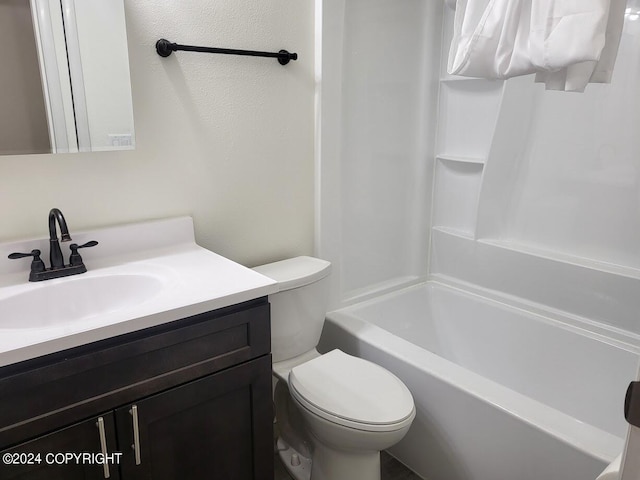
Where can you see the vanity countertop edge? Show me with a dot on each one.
(194, 280)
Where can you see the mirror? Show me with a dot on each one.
(64, 77)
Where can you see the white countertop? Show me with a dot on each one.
(187, 280)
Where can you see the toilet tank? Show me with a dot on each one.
(298, 309)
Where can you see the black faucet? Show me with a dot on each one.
(55, 254)
(58, 269)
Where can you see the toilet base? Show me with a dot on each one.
(331, 464)
(297, 465)
(328, 463)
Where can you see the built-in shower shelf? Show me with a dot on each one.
(453, 231)
(602, 292)
(457, 78)
(559, 258)
(456, 191)
(516, 245)
(457, 158)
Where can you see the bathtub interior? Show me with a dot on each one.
(567, 367)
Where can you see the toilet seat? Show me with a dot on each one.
(352, 392)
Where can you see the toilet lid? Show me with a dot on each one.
(352, 389)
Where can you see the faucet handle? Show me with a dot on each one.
(75, 246)
(37, 265)
(75, 258)
(34, 253)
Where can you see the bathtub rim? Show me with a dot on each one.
(598, 331)
(583, 437)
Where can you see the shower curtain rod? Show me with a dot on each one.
(165, 47)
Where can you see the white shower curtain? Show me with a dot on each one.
(567, 43)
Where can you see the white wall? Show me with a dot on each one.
(578, 184)
(379, 95)
(542, 200)
(228, 140)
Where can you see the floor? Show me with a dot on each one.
(391, 469)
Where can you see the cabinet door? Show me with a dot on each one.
(219, 426)
(41, 459)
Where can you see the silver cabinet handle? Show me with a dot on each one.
(136, 433)
(103, 446)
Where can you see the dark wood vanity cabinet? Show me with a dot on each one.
(186, 400)
(204, 429)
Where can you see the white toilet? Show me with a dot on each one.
(335, 412)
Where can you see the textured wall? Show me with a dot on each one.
(228, 140)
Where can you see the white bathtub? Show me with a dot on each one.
(501, 393)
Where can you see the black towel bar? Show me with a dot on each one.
(165, 47)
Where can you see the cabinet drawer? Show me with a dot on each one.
(52, 391)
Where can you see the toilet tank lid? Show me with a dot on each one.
(295, 272)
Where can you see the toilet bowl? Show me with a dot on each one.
(334, 412)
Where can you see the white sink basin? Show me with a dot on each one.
(75, 299)
(141, 275)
